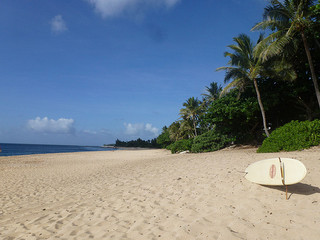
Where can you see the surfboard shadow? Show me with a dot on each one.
(298, 188)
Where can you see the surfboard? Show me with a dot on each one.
(276, 171)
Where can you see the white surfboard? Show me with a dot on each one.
(276, 171)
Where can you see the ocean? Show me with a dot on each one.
(11, 149)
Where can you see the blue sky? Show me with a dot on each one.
(87, 72)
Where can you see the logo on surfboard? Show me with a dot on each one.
(272, 171)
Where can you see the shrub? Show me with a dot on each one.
(292, 136)
(181, 145)
(210, 141)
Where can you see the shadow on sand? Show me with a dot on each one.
(299, 188)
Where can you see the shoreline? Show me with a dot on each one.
(17, 149)
(138, 194)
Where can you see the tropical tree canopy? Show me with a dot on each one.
(212, 93)
(225, 116)
(191, 112)
(287, 20)
(244, 69)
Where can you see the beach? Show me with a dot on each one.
(153, 194)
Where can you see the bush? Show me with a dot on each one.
(210, 141)
(181, 145)
(293, 136)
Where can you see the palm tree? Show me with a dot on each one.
(174, 131)
(244, 69)
(287, 19)
(191, 112)
(186, 129)
(212, 92)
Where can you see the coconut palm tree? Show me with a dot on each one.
(212, 93)
(287, 19)
(186, 129)
(244, 69)
(174, 131)
(191, 111)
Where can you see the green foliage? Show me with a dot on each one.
(180, 130)
(237, 114)
(181, 145)
(163, 140)
(139, 143)
(210, 141)
(293, 136)
(212, 93)
(191, 112)
(315, 11)
(231, 116)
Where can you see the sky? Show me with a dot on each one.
(88, 72)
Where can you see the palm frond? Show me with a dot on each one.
(272, 45)
(271, 24)
(235, 48)
(277, 11)
(222, 68)
(275, 48)
(230, 86)
(235, 73)
(212, 92)
(237, 83)
(291, 31)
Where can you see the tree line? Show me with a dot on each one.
(269, 83)
(139, 143)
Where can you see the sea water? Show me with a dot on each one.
(11, 149)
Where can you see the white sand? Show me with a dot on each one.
(152, 194)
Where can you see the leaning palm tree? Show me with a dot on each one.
(191, 111)
(244, 69)
(287, 19)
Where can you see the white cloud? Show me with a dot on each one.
(141, 130)
(151, 129)
(45, 125)
(112, 8)
(58, 25)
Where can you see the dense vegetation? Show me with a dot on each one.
(270, 83)
(293, 136)
(137, 143)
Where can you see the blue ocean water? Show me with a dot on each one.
(11, 149)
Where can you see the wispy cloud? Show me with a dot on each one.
(96, 131)
(141, 130)
(112, 8)
(58, 25)
(46, 125)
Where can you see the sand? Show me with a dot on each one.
(152, 194)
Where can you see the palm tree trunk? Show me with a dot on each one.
(261, 108)
(313, 73)
(194, 125)
(305, 108)
(317, 42)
